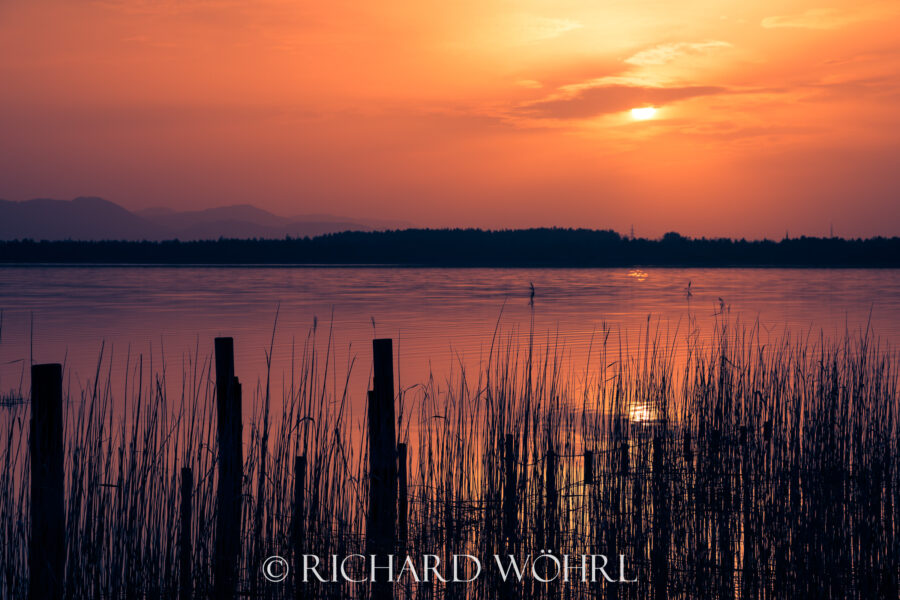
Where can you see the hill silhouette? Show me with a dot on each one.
(88, 218)
(471, 248)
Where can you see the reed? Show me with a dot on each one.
(727, 466)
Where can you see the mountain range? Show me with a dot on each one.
(89, 218)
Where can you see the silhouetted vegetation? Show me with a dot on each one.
(472, 248)
(743, 469)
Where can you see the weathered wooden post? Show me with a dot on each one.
(228, 516)
(403, 498)
(185, 583)
(622, 487)
(588, 467)
(687, 449)
(47, 551)
(551, 523)
(509, 509)
(659, 552)
(509, 493)
(748, 570)
(552, 511)
(382, 517)
(299, 530)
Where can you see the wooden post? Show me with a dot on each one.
(552, 514)
(47, 551)
(622, 487)
(748, 570)
(688, 451)
(659, 551)
(588, 467)
(228, 516)
(381, 524)
(509, 494)
(509, 510)
(551, 523)
(187, 486)
(403, 498)
(299, 530)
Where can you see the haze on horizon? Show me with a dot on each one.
(770, 116)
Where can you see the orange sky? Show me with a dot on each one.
(772, 116)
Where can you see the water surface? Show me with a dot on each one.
(437, 317)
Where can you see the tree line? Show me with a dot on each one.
(544, 247)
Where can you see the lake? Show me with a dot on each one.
(734, 475)
(439, 318)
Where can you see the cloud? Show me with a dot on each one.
(664, 53)
(817, 18)
(531, 28)
(607, 96)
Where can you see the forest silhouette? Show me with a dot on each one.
(544, 247)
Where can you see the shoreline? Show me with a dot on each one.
(211, 265)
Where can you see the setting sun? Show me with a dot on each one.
(642, 114)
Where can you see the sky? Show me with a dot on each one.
(770, 117)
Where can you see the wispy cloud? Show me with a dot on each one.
(665, 53)
(534, 28)
(609, 95)
(827, 18)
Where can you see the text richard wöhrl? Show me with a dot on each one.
(545, 567)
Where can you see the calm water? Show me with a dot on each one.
(438, 317)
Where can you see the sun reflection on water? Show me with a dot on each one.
(638, 274)
(641, 413)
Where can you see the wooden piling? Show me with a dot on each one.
(588, 467)
(47, 550)
(749, 568)
(659, 552)
(185, 582)
(402, 497)
(382, 517)
(551, 522)
(508, 590)
(509, 493)
(552, 498)
(298, 532)
(687, 449)
(228, 516)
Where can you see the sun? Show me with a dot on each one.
(643, 113)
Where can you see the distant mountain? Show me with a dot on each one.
(246, 221)
(81, 219)
(98, 219)
(375, 224)
(236, 213)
